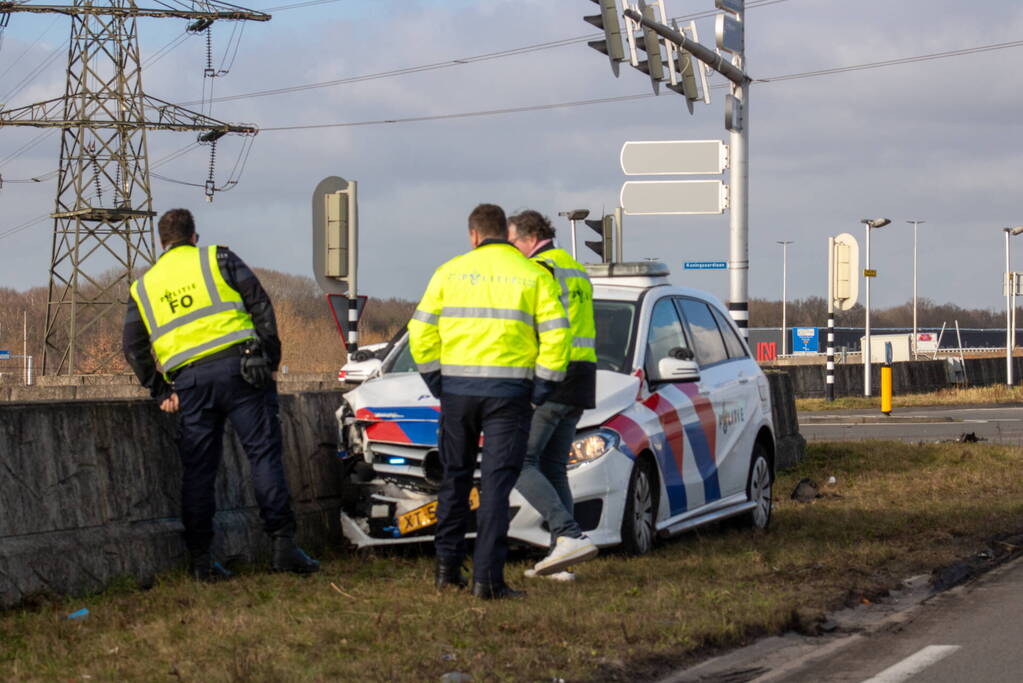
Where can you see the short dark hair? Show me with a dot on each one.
(489, 222)
(176, 226)
(531, 223)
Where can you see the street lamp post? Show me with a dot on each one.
(868, 223)
(573, 216)
(915, 223)
(1010, 337)
(784, 292)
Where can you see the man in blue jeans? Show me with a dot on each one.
(544, 478)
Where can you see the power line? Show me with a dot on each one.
(626, 98)
(447, 64)
(297, 5)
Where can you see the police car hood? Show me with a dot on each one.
(403, 398)
(615, 393)
(400, 390)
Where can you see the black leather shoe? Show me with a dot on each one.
(203, 568)
(495, 591)
(288, 557)
(450, 574)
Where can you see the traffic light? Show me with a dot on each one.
(608, 21)
(605, 228)
(683, 80)
(650, 43)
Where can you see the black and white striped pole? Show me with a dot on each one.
(829, 386)
(843, 291)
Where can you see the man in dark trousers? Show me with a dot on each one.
(490, 337)
(210, 325)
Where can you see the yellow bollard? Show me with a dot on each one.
(886, 389)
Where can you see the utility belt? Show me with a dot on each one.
(233, 351)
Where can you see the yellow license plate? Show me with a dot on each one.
(426, 515)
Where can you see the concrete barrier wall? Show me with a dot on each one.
(89, 491)
(912, 377)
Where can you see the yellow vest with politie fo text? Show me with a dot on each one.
(577, 298)
(188, 308)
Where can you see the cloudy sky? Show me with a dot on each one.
(938, 140)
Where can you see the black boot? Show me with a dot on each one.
(495, 591)
(449, 573)
(204, 568)
(288, 557)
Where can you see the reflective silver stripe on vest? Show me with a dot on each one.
(185, 356)
(550, 375)
(480, 312)
(563, 273)
(548, 325)
(207, 275)
(432, 366)
(488, 371)
(584, 343)
(147, 306)
(424, 317)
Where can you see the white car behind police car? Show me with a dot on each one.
(681, 435)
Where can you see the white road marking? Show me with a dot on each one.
(914, 664)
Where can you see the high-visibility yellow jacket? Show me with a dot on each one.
(580, 385)
(188, 308)
(491, 324)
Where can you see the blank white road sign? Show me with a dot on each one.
(674, 157)
(670, 197)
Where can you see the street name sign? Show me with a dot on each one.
(705, 265)
(729, 33)
(674, 157)
(673, 197)
(869, 272)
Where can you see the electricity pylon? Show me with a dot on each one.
(104, 204)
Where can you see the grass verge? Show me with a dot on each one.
(897, 510)
(998, 393)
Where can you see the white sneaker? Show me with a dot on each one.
(567, 552)
(564, 577)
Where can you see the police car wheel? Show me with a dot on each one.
(758, 489)
(638, 533)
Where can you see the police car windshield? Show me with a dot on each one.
(614, 320)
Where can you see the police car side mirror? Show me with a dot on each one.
(676, 370)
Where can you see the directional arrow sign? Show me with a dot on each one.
(670, 197)
(674, 157)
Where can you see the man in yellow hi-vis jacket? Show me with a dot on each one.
(544, 478)
(490, 338)
(210, 325)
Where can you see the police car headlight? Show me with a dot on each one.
(591, 447)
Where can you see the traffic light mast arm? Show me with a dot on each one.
(228, 12)
(705, 55)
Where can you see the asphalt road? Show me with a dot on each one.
(998, 424)
(971, 633)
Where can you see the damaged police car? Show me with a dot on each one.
(681, 435)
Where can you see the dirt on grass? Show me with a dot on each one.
(895, 510)
(998, 393)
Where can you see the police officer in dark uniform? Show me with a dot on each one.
(210, 325)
